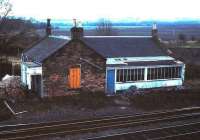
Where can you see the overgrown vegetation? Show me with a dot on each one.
(86, 99)
(166, 99)
(5, 113)
(192, 72)
(5, 9)
(14, 45)
(7, 68)
(15, 33)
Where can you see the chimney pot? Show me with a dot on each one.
(76, 32)
(154, 31)
(48, 27)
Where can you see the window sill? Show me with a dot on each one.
(148, 80)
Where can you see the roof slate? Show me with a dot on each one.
(110, 47)
(45, 48)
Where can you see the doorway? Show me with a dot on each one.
(36, 84)
(74, 78)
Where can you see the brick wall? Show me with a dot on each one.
(56, 67)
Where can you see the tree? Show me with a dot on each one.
(12, 30)
(193, 38)
(105, 28)
(182, 37)
(5, 9)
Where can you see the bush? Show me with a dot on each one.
(86, 99)
(90, 99)
(6, 68)
(166, 99)
(192, 72)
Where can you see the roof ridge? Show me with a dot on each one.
(117, 36)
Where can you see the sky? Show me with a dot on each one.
(111, 9)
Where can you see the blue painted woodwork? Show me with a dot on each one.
(110, 81)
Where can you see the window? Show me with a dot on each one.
(126, 75)
(164, 73)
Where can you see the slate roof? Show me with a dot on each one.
(109, 47)
(147, 63)
(45, 48)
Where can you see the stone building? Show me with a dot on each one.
(58, 66)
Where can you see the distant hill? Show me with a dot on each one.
(66, 23)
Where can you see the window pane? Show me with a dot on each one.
(173, 72)
(179, 72)
(128, 75)
(159, 73)
(124, 75)
(149, 74)
(139, 74)
(142, 74)
(167, 73)
(121, 75)
(132, 74)
(156, 73)
(171, 68)
(118, 75)
(135, 75)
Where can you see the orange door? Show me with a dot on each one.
(74, 78)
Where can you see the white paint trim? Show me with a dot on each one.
(183, 72)
(155, 80)
(132, 67)
(106, 82)
(115, 80)
(145, 73)
(28, 72)
(149, 84)
(124, 60)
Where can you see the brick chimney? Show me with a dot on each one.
(154, 31)
(48, 27)
(76, 32)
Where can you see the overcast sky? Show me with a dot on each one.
(114, 9)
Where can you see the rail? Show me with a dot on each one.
(24, 131)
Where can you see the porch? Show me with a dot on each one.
(31, 76)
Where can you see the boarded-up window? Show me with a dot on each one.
(74, 78)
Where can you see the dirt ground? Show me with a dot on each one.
(90, 105)
(70, 107)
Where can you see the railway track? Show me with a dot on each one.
(177, 132)
(24, 131)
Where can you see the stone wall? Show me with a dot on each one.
(56, 69)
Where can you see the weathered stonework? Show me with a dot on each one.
(56, 68)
